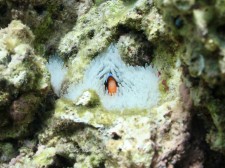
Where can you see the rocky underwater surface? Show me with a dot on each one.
(112, 83)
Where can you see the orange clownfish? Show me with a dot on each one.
(111, 85)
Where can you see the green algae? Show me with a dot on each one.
(98, 115)
(98, 2)
(44, 30)
(217, 138)
(7, 151)
(24, 81)
(45, 157)
(42, 33)
(201, 35)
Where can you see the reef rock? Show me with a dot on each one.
(24, 81)
(166, 61)
(54, 18)
(147, 122)
(201, 31)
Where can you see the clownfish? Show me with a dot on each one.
(111, 85)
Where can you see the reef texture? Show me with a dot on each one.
(182, 40)
(24, 82)
(200, 27)
(49, 20)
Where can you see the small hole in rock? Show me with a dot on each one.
(178, 22)
(91, 33)
(61, 7)
(3, 10)
(221, 32)
(115, 136)
(40, 9)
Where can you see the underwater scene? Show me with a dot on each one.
(112, 84)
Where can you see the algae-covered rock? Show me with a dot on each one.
(82, 132)
(94, 32)
(125, 136)
(24, 80)
(135, 50)
(201, 31)
(7, 152)
(134, 82)
(137, 135)
(128, 138)
(48, 20)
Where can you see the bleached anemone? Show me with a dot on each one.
(137, 87)
(57, 71)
